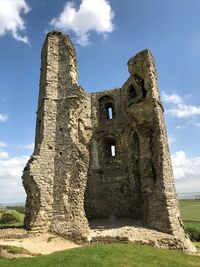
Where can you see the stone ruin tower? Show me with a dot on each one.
(101, 160)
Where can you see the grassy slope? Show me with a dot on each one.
(18, 215)
(115, 255)
(190, 213)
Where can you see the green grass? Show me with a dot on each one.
(115, 255)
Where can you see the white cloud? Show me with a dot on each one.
(185, 185)
(91, 16)
(172, 99)
(179, 108)
(11, 189)
(186, 172)
(11, 20)
(3, 117)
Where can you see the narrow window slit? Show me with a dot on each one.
(110, 113)
(109, 148)
(106, 108)
(113, 151)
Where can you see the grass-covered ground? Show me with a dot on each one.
(115, 255)
(190, 213)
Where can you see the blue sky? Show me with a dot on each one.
(105, 34)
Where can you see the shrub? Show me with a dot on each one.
(193, 233)
(8, 218)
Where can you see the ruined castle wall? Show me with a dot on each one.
(160, 192)
(137, 182)
(99, 155)
(55, 177)
(144, 111)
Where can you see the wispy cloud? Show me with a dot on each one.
(3, 117)
(178, 107)
(91, 16)
(11, 20)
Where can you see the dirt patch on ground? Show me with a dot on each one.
(36, 244)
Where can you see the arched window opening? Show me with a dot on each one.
(109, 148)
(113, 151)
(132, 92)
(140, 82)
(109, 111)
(106, 108)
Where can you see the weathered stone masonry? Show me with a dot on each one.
(102, 156)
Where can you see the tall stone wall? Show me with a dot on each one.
(102, 155)
(56, 175)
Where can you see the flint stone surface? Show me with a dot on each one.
(101, 157)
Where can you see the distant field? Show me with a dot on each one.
(190, 213)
